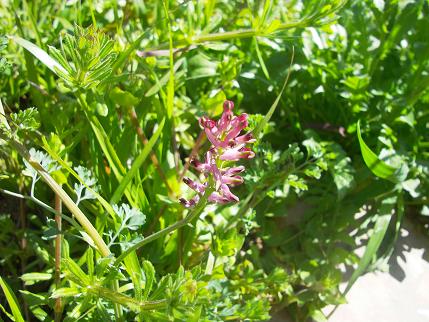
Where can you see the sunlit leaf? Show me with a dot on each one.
(380, 168)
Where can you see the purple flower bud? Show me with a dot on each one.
(189, 203)
(207, 123)
(228, 106)
(226, 117)
(198, 187)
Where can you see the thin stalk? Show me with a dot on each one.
(58, 242)
(74, 209)
(37, 201)
(69, 203)
(125, 300)
(23, 224)
(155, 220)
(194, 213)
(194, 152)
(229, 35)
(140, 133)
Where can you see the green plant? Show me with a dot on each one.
(99, 109)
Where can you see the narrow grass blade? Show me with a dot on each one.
(136, 165)
(155, 88)
(273, 107)
(40, 54)
(64, 164)
(261, 60)
(107, 147)
(380, 228)
(3, 120)
(12, 301)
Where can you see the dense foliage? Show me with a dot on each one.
(100, 105)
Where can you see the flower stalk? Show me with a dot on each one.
(193, 214)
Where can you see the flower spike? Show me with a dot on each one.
(227, 146)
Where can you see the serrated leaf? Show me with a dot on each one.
(28, 119)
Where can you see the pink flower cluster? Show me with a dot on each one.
(227, 145)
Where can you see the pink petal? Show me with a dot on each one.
(226, 117)
(238, 123)
(212, 138)
(246, 138)
(198, 187)
(190, 203)
(217, 198)
(232, 171)
(237, 153)
(236, 180)
(228, 194)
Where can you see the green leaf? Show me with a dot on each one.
(33, 299)
(28, 119)
(12, 301)
(40, 54)
(273, 107)
(380, 168)
(200, 66)
(149, 272)
(155, 88)
(136, 165)
(3, 120)
(318, 316)
(123, 98)
(65, 292)
(380, 228)
(261, 60)
(31, 278)
(76, 273)
(90, 261)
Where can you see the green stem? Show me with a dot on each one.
(189, 218)
(74, 209)
(125, 300)
(68, 202)
(229, 35)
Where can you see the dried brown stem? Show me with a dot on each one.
(23, 224)
(194, 152)
(58, 242)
